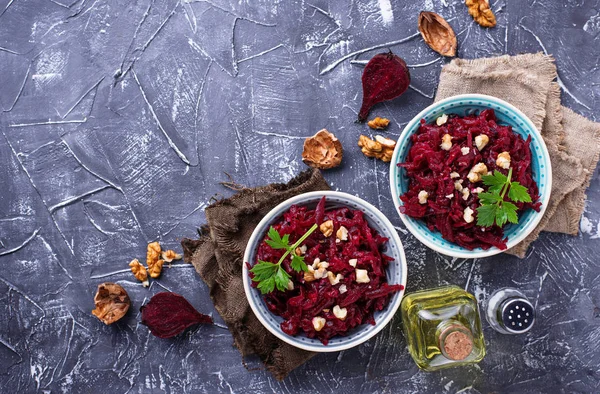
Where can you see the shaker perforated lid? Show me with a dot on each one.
(518, 315)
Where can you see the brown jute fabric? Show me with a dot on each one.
(218, 258)
(527, 82)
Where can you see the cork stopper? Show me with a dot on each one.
(456, 342)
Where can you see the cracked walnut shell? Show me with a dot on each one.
(323, 150)
(112, 302)
(481, 12)
(437, 33)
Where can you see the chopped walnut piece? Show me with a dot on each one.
(343, 288)
(112, 302)
(327, 228)
(423, 196)
(381, 148)
(342, 233)
(481, 12)
(156, 269)
(300, 250)
(481, 141)
(139, 271)
(318, 323)
(468, 215)
(152, 254)
(378, 123)
(323, 150)
(333, 278)
(465, 150)
(309, 276)
(465, 193)
(170, 255)
(362, 276)
(290, 285)
(476, 172)
(340, 313)
(454, 175)
(441, 120)
(446, 142)
(503, 160)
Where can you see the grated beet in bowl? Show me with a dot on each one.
(429, 168)
(318, 298)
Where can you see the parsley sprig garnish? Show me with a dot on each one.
(494, 209)
(270, 275)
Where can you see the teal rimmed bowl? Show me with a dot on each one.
(507, 114)
(395, 271)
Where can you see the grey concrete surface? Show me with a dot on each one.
(119, 118)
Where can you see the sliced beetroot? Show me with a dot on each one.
(428, 168)
(384, 78)
(168, 314)
(317, 298)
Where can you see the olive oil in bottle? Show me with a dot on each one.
(443, 328)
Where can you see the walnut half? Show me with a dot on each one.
(112, 302)
(481, 12)
(323, 150)
(381, 148)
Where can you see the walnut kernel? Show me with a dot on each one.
(503, 160)
(481, 12)
(381, 148)
(378, 123)
(156, 269)
(327, 228)
(139, 271)
(152, 254)
(170, 255)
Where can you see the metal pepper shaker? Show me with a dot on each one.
(510, 312)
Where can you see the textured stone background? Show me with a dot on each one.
(119, 118)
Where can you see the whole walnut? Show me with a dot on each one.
(323, 150)
(112, 302)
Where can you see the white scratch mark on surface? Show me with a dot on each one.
(10, 347)
(48, 123)
(387, 14)
(160, 126)
(107, 274)
(260, 54)
(73, 199)
(20, 92)
(422, 93)
(23, 244)
(223, 382)
(358, 52)
(291, 137)
(49, 249)
(82, 97)
(23, 294)
(470, 274)
(558, 80)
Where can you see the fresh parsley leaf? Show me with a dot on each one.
(511, 212)
(281, 279)
(501, 216)
(518, 193)
(489, 198)
(266, 285)
(275, 241)
(263, 270)
(496, 181)
(486, 215)
(494, 209)
(270, 275)
(298, 264)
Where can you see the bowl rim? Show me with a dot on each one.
(511, 242)
(395, 302)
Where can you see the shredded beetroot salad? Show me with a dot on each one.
(337, 302)
(442, 192)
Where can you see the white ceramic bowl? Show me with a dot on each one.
(507, 114)
(396, 271)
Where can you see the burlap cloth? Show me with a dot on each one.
(218, 258)
(528, 82)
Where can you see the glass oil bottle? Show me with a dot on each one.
(443, 328)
